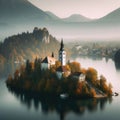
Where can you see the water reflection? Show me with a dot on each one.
(117, 66)
(61, 106)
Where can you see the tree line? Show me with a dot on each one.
(31, 78)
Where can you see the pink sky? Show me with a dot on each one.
(88, 8)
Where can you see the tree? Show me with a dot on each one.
(16, 74)
(110, 89)
(74, 66)
(91, 75)
(103, 85)
(92, 92)
(9, 80)
(57, 64)
(28, 67)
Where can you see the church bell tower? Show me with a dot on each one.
(62, 54)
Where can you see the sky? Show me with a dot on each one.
(88, 8)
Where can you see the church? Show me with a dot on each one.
(49, 61)
(63, 69)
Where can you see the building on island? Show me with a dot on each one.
(79, 76)
(63, 70)
(48, 62)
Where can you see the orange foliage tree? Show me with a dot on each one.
(74, 66)
(92, 75)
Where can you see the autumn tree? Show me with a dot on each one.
(16, 74)
(110, 89)
(103, 85)
(9, 79)
(28, 67)
(91, 75)
(57, 64)
(74, 66)
(92, 92)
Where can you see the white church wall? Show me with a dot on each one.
(45, 66)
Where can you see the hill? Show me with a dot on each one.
(20, 10)
(20, 15)
(15, 50)
(104, 29)
(112, 17)
(76, 18)
(29, 45)
(53, 15)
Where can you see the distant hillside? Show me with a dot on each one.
(27, 45)
(53, 15)
(16, 49)
(20, 15)
(76, 18)
(112, 17)
(20, 10)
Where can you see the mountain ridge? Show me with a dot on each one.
(20, 10)
(55, 17)
(113, 16)
(26, 16)
(76, 18)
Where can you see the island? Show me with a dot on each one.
(58, 78)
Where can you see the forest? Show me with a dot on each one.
(31, 79)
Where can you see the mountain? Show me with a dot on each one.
(20, 15)
(76, 18)
(20, 10)
(53, 15)
(114, 16)
(106, 28)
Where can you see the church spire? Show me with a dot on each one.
(52, 55)
(62, 54)
(62, 45)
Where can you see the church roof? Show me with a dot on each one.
(48, 60)
(61, 46)
(62, 69)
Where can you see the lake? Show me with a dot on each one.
(14, 106)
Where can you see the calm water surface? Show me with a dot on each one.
(14, 106)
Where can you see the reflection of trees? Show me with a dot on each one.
(8, 68)
(61, 106)
(117, 65)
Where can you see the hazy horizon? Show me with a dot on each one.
(89, 8)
